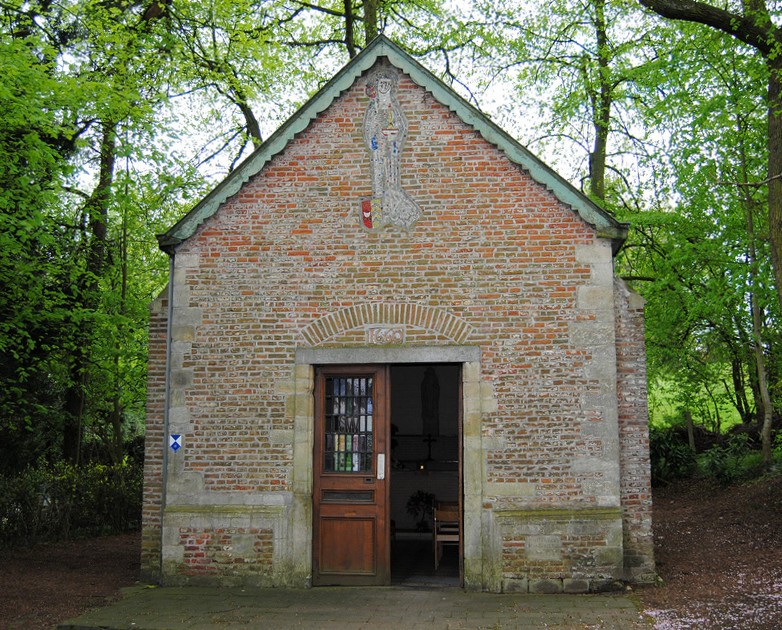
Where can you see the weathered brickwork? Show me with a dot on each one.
(634, 436)
(225, 552)
(555, 439)
(153, 456)
(558, 550)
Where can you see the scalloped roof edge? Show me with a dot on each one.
(604, 224)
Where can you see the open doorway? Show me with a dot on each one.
(425, 471)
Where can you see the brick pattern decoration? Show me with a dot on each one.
(495, 261)
(363, 316)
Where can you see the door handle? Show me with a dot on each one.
(381, 466)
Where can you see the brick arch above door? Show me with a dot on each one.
(385, 322)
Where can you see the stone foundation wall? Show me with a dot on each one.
(555, 551)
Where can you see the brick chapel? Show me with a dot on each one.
(393, 347)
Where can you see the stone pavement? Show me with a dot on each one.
(378, 608)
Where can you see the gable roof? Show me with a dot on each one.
(381, 46)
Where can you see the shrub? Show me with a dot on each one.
(62, 501)
(671, 457)
(733, 461)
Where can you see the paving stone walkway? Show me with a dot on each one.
(377, 608)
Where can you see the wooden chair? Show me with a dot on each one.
(447, 528)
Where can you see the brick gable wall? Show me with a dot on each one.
(495, 262)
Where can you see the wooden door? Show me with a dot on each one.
(351, 524)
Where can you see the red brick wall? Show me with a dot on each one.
(215, 552)
(154, 441)
(494, 250)
(634, 435)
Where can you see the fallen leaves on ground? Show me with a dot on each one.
(719, 554)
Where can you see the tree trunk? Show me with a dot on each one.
(739, 394)
(350, 31)
(764, 404)
(775, 169)
(117, 445)
(765, 427)
(97, 209)
(690, 429)
(253, 128)
(371, 29)
(601, 108)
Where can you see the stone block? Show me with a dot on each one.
(488, 399)
(610, 557)
(181, 378)
(572, 585)
(592, 335)
(596, 298)
(183, 333)
(187, 261)
(515, 585)
(544, 547)
(179, 420)
(545, 586)
(281, 436)
(594, 253)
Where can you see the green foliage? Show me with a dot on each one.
(731, 461)
(62, 501)
(738, 459)
(80, 84)
(671, 457)
(116, 115)
(701, 257)
(114, 118)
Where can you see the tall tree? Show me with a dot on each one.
(752, 23)
(703, 255)
(35, 143)
(584, 67)
(94, 71)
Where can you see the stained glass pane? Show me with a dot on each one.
(348, 425)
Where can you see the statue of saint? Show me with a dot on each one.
(430, 403)
(385, 130)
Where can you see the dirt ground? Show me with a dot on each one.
(45, 585)
(719, 554)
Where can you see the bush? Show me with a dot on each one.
(671, 456)
(62, 501)
(733, 461)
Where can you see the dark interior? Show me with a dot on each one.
(424, 469)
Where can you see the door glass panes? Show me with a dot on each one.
(348, 424)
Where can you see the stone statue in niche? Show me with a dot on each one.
(430, 403)
(385, 131)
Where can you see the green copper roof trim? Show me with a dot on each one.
(381, 46)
